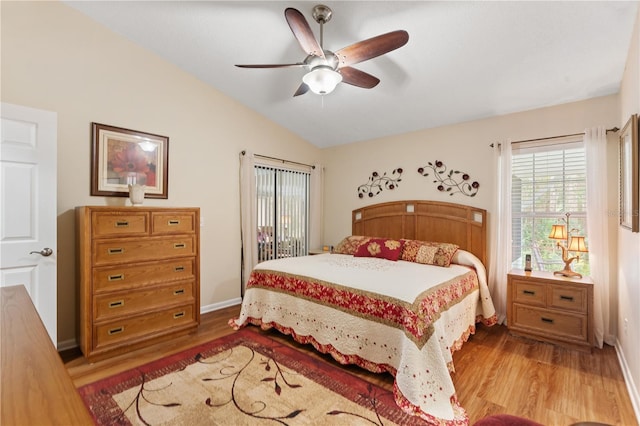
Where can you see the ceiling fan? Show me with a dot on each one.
(327, 68)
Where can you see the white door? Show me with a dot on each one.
(28, 207)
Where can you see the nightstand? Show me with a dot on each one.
(317, 251)
(551, 308)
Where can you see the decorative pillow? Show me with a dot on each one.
(350, 244)
(430, 253)
(384, 248)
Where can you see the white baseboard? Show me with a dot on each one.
(72, 343)
(220, 305)
(628, 379)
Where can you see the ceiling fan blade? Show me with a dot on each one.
(355, 77)
(372, 47)
(298, 64)
(302, 89)
(302, 31)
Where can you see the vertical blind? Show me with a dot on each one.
(283, 212)
(548, 180)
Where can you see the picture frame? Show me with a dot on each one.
(629, 183)
(121, 157)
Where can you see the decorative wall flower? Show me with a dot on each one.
(452, 182)
(377, 183)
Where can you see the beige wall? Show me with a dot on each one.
(56, 59)
(628, 295)
(463, 147)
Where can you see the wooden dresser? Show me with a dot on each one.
(551, 308)
(139, 276)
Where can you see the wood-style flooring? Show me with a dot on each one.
(496, 373)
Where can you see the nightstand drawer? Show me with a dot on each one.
(571, 298)
(529, 293)
(546, 321)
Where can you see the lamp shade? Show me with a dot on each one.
(322, 79)
(558, 232)
(577, 244)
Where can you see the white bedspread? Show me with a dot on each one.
(401, 317)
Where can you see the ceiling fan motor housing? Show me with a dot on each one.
(322, 14)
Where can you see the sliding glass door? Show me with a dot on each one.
(282, 212)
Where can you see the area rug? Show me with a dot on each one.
(244, 378)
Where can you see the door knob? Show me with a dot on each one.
(44, 252)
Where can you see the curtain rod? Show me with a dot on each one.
(280, 159)
(613, 129)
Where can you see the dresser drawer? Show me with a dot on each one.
(122, 277)
(113, 224)
(570, 298)
(129, 302)
(149, 325)
(529, 293)
(108, 252)
(546, 321)
(172, 223)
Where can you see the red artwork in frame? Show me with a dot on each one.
(122, 157)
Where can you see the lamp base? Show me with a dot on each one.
(568, 273)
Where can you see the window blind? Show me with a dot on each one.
(548, 180)
(283, 212)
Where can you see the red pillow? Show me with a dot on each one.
(384, 248)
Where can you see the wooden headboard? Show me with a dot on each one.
(427, 221)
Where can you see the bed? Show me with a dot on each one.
(403, 310)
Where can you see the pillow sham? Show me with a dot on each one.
(384, 248)
(430, 253)
(350, 244)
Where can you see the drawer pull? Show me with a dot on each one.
(179, 245)
(178, 292)
(178, 268)
(118, 277)
(116, 250)
(547, 320)
(116, 304)
(173, 222)
(116, 330)
(569, 298)
(178, 315)
(121, 224)
(529, 292)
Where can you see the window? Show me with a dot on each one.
(282, 212)
(548, 180)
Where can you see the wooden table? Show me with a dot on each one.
(36, 388)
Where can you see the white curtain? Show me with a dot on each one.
(316, 207)
(501, 231)
(248, 216)
(595, 143)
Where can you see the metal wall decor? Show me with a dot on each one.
(377, 183)
(452, 182)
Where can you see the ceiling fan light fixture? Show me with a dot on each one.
(322, 80)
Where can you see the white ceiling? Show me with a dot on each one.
(464, 60)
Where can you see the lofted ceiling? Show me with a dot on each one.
(464, 60)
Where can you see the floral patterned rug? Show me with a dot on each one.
(244, 378)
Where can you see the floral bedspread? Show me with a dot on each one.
(401, 317)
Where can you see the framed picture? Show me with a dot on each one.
(122, 157)
(629, 189)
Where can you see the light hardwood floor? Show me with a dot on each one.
(495, 373)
